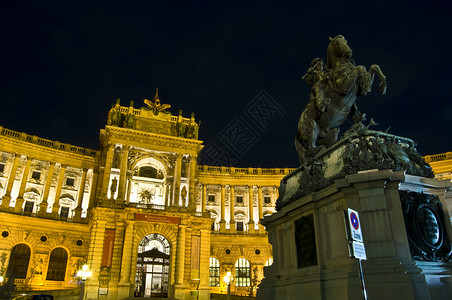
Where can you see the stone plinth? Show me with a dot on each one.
(402, 221)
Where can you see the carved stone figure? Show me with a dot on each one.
(335, 88)
(114, 184)
(181, 127)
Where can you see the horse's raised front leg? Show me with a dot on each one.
(375, 69)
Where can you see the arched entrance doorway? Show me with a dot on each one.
(152, 266)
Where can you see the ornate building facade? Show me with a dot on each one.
(140, 212)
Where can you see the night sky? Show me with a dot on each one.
(63, 65)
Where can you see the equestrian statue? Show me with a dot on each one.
(335, 87)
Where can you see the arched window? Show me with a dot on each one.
(148, 171)
(242, 272)
(269, 262)
(18, 263)
(57, 265)
(214, 272)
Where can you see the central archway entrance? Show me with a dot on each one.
(153, 266)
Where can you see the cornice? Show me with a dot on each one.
(45, 153)
(138, 138)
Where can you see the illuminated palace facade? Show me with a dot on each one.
(144, 217)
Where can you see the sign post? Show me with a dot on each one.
(355, 242)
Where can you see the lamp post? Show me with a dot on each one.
(228, 279)
(83, 274)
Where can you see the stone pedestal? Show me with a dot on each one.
(402, 221)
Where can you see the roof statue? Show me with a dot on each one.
(156, 106)
(335, 87)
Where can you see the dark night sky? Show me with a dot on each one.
(62, 65)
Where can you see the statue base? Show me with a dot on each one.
(405, 228)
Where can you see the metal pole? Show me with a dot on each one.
(361, 276)
(229, 291)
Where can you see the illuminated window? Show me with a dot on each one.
(18, 262)
(242, 272)
(214, 272)
(57, 265)
(269, 262)
(239, 199)
(148, 171)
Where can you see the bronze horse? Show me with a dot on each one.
(335, 88)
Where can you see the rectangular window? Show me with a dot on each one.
(267, 200)
(28, 207)
(239, 226)
(239, 199)
(2, 168)
(64, 213)
(70, 181)
(211, 198)
(36, 175)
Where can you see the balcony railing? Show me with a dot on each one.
(245, 171)
(438, 157)
(47, 143)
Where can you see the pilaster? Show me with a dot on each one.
(123, 173)
(44, 203)
(222, 211)
(176, 179)
(232, 228)
(81, 192)
(23, 184)
(56, 201)
(192, 182)
(107, 170)
(260, 209)
(12, 177)
(250, 209)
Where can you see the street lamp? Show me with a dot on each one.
(84, 274)
(228, 279)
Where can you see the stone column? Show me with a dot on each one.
(204, 197)
(260, 209)
(232, 227)
(107, 170)
(222, 211)
(96, 246)
(81, 192)
(176, 179)
(93, 192)
(11, 179)
(123, 173)
(129, 186)
(191, 187)
(204, 264)
(23, 184)
(167, 194)
(44, 203)
(126, 261)
(250, 207)
(180, 256)
(56, 201)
